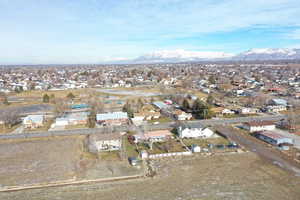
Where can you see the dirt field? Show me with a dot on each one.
(235, 176)
(35, 161)
(38, 161)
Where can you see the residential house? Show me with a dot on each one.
(104, 142)
(33, 121)
(75, 118)
(259, 126)
(112, 119)
(275, 108)
(278, 102)
(195, 131)
(220, 111)
(246, 111)
(181, 115)
(155, 136)
(160, 105)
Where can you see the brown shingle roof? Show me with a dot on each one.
(259, 123)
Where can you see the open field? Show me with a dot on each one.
(4, 129)
(38, 161)
(235, 176)
(55, 159)
(57, 93)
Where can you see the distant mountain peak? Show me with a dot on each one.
(269, 54)
(180, 55)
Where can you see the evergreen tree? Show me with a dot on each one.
(201, 110)
(46, 98)
(127, 108)
(210, 100)
(185, 104)
(212, 79)
(70, 96)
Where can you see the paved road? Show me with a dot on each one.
(168, 125)
(262, 150)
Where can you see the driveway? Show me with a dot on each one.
(18, 130)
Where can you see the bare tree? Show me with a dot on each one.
(9, 117)
(61, 107)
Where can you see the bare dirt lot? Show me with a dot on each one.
(29, 162)
(38, 161)
(234, 176)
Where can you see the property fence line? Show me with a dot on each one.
(163, 155)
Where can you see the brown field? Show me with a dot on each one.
(235, 176)
(27, 162)
(38, 161)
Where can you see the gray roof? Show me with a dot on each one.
(113, 115)
(160, 104)
(191, 126)
(34, 118)
(279, 101)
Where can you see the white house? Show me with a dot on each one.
(248, 110)
(198, 131)
(275, 108)
(259, 126)
(75, 118)
(104, 142)
(33, 121)
(227, 111)
(196, 148)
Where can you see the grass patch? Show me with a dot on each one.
(130, 148)
(204, 142)
(160, 120)
(110, 156)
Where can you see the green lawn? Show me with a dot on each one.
(130, 148)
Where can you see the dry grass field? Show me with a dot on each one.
(26, 162)
(235, 176)
(38, 160)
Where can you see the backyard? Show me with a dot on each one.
(162, 147)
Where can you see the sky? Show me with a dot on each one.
(97, 31)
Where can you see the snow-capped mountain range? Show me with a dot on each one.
(269, 54)
(252, 54)
(182, 55)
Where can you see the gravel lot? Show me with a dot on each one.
(233, 176)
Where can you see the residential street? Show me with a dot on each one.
(210, 122)
(260, 149)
